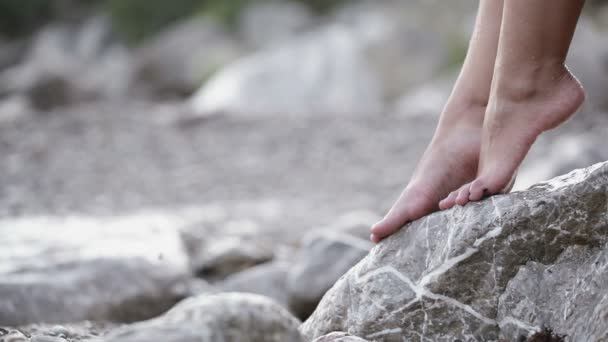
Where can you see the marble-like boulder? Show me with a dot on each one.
(57, 270)
(226, 317)
(339, 337)
(453, 275)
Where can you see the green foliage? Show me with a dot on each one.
(137, 19)
(133, 19)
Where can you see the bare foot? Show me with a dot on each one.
(518, 112)
(450, 161)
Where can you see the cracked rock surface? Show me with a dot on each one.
(460, 274)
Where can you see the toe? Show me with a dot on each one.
(463, 195)
(410, 206)
(397, 216)
(449, 201)
(374, 238)
(477, 189)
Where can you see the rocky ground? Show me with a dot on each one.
(134, 204)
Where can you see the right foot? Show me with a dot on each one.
(517, 115)
(449, 162)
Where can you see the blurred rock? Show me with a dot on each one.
(339, 337)
(263, 24)
(228, 317)
(426, 100)
(445, 274)
(326, 255)
(576, 143)
(402, 39)
(227, 255)
(67, 64)
(219, 251)
(178, 60)
(80, 331)
(588, 60)
(12, 335)
(11, 52)
(72, 269)
(323, 72)
(267, 279)
(568, 296)
(14, 108)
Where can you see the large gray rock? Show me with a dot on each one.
(178, 60)
(228, 317)
(323, 72)
(325, 256)
(442, 277)
(403, 46)
(269, 279)
(267, 23)
(569, 295)
(57, 270)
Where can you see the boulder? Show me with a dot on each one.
(227, 317)
(323, 72)
(568, 295)
(267, 279)
(179, 59)
(68, 64)
(400, 44)
(267, 23)
(452, 275)
(56, 270)
(327, 254)
(224, 248)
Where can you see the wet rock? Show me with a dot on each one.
(323, 72)
(443, 276)
(178, 60)
(338, 337)
(325, 256)
(267, 279)
(72, 269)
(228, 317)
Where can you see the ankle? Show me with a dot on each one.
(527, 81)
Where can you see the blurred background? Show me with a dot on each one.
(264, 119)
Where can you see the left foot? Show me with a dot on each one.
(519, 110)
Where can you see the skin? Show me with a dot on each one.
(452, 156)
(532, 91)
(513, 86)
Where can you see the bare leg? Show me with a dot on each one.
(452, 156)
(532, 90)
